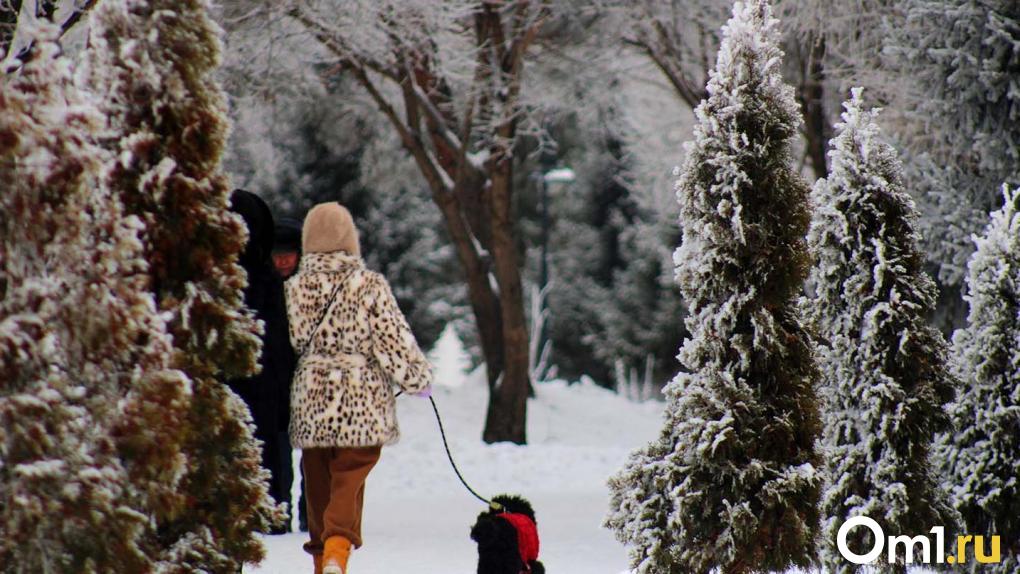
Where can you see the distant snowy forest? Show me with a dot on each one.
(794, 222)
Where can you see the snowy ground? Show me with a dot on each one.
(417, 514)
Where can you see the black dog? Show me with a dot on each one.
(507, 538)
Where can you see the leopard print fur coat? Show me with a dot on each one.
(343, 390)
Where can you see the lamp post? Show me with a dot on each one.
(557, 176)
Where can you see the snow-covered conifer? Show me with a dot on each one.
(982, 458)
(959, 61)
(90, 410)
(152, 64)
(885, 378)
(732, 481)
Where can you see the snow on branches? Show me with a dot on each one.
(959, 60)
(732, 481)
(885, 378)
(981, 459)
(90, 410)
(152, 64)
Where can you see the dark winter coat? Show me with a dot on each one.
(267, 393)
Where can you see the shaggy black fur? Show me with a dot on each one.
(497, 539)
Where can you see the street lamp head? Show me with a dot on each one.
(559, 175)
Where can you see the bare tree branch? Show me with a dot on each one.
(393, 51)
(337, 45)
(48, 10)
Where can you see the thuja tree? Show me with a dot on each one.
(90, 409)
(152, 65)
(885, 377)
(732, 483)
(982, 457)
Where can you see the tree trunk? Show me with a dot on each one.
(950, 312)
(502, 326)
(817, 131)
(485, 304)
(506, 419)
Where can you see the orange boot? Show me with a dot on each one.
(336, 554)
(317, 560)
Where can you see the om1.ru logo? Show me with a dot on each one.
(910, 544)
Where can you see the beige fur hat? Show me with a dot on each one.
(329, 227)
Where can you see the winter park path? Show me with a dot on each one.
(418, 516)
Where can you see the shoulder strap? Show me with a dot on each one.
(325, 310)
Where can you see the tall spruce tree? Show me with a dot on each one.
(885, 377)
(152, 64)
(732, 481)
(90, 410)
(981, 459)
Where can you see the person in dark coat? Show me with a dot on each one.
(286, 257)
(287, 248)
(267, 393)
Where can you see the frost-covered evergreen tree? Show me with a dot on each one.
(732, 481)
(639, 315)
(885, 376)
(982, 457)
(90, 410)
(959, 61)
(152, 64)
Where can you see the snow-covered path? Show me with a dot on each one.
(418, 516)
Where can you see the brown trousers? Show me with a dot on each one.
(335, 492)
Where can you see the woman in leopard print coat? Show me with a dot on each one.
(355, 347)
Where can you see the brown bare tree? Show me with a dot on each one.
(680, 37)
(459, 122)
